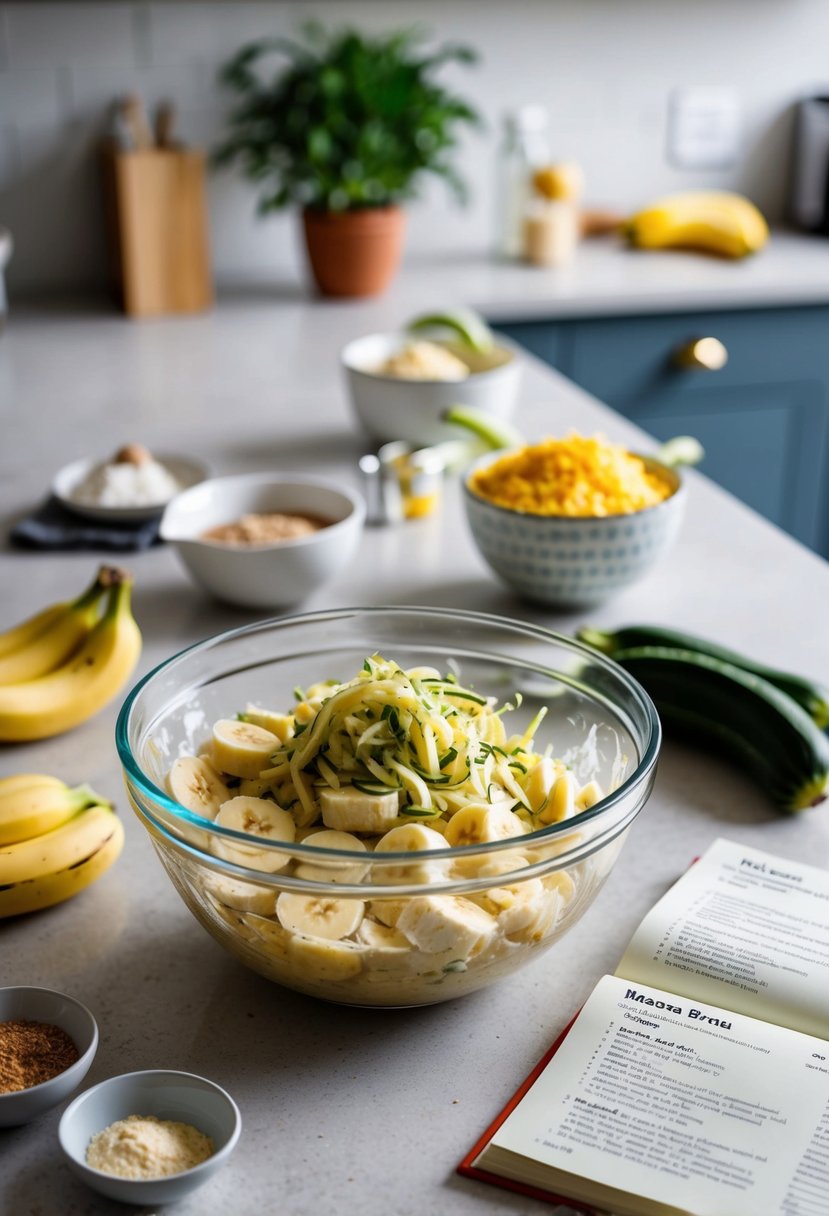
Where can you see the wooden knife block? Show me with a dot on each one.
(158, 213)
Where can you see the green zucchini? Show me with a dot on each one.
(739, 714)
(810, 695)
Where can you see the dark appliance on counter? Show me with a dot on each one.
(808, 207)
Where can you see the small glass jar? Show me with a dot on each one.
(523, 148)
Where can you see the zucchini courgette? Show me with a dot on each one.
(809, 694)
(739, 714)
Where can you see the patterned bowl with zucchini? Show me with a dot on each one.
(388, 806)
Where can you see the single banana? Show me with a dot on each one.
(53, 645)
(262, 819)
(478, 824)
(74, 692)
(64, 846)
(195, 784)
(27, 781)
(348, 810)
(419, 840)
(32, 810)
(435, 923)
(241, 748)
(24, 633)
(319, 915)
(328, 870)
(714, 221)
(32, 894)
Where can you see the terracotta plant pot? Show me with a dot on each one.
(354, 253)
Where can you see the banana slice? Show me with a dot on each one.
(381, 937)
(561, 803)
(540, 924)
(516, 907)
(327, 870)
(259, 818)
(387, 911)
(480, 824)
(270, 933)
(319, 915)
(347, 810)
(195, 784)
(410, 838)
(589, 795)
(233, 920)
(241, 748)
(540, 782)
(317, 960)
(435, 923)
(492, 866)
(243, 896)
(561, 882)
(281, 725)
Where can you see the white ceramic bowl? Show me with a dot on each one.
(180, 1096)
(263, 576)
(570, 562)
(44, 1005)
(186, 472)
(389, 407)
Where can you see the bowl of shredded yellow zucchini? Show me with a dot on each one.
(570, 522)
(388, 806)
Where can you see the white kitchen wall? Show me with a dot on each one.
(604, 68)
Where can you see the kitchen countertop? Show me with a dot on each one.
(345, 1110)
(606, 278)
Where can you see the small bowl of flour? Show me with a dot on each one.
(132, 486)
(149, 1137)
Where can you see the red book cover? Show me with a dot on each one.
(472, 1171)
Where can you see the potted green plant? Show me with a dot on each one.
(346, 129)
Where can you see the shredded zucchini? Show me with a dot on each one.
(439, 745)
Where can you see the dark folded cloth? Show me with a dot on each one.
(51, 526)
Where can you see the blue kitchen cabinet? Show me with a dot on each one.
(763, 417)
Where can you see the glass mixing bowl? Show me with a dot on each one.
(489, 908)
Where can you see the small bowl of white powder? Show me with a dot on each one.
(132, 486)
(149, 1137)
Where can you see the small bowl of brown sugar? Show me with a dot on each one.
(264, 540)
(149, 1137)
(47, 1043)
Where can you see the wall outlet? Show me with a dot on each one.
(704, 128)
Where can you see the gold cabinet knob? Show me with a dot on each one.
(701, 355)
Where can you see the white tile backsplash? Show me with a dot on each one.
(603, 68)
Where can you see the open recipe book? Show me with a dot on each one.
(696, 1079)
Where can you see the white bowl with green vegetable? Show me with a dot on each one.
(394, 830)
(401, 384)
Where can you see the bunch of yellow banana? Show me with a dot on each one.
(713, 221)
(61, 666)
(54, 841)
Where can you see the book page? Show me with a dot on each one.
(681, 1103)
(745, 930)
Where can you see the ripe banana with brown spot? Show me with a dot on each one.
(53, 867)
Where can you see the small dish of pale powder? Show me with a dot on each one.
(142, 1146)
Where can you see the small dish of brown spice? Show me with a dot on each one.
(273, 528)
(47, 1043)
